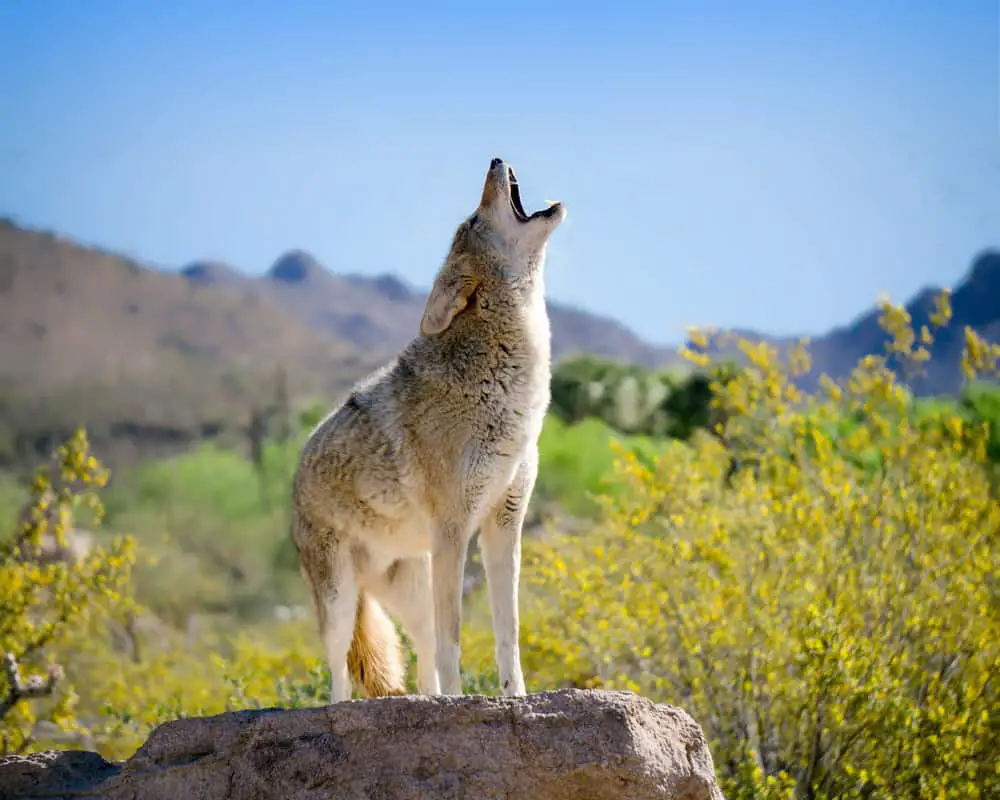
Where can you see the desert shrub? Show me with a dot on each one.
(47, 603)
(982, 401)
(831, 619)
(624, 396)
(210, 524)
(270, 666)
(86, 664)
(633, 400)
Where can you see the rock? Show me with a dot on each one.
(564, 745)
(54, 774)
(295, 266)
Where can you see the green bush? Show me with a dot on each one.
(633, 400)
(209, 524)
(982, 401)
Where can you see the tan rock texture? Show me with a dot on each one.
(565, 745)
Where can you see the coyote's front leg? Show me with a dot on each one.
(447, 567)
(500, 544)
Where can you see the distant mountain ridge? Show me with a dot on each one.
(152, 359)
(382, 312)
(975, 303)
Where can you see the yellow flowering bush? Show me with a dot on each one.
(175, 680)
(829, 614)
(84, 664)
(46, 603)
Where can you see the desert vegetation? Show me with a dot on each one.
(812, 575)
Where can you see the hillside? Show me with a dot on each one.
(148, 360)
(152, 360)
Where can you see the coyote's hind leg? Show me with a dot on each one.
(329, 573)
(406, 591)
(336, 608)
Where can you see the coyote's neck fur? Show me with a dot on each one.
(519, 338)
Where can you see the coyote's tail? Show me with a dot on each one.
(375, 660)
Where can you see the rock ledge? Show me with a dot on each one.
(565, 745)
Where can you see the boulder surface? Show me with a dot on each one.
(565, 745)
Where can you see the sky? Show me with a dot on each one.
(772, 165)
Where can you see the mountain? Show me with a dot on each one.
(215, 273)
(153, 360)
(382, 313)
(296, 268)
(975, 303)
(377, 315)
(148, 360)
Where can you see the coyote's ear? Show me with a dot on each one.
(449, 297)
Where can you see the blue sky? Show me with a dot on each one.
(769, 164)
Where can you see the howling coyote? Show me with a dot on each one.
(439, 443)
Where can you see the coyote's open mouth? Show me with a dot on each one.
(515, 201)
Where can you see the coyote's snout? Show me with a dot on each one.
(436, 445)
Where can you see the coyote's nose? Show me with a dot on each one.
(496, 162)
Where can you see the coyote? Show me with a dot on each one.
(439, 443)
